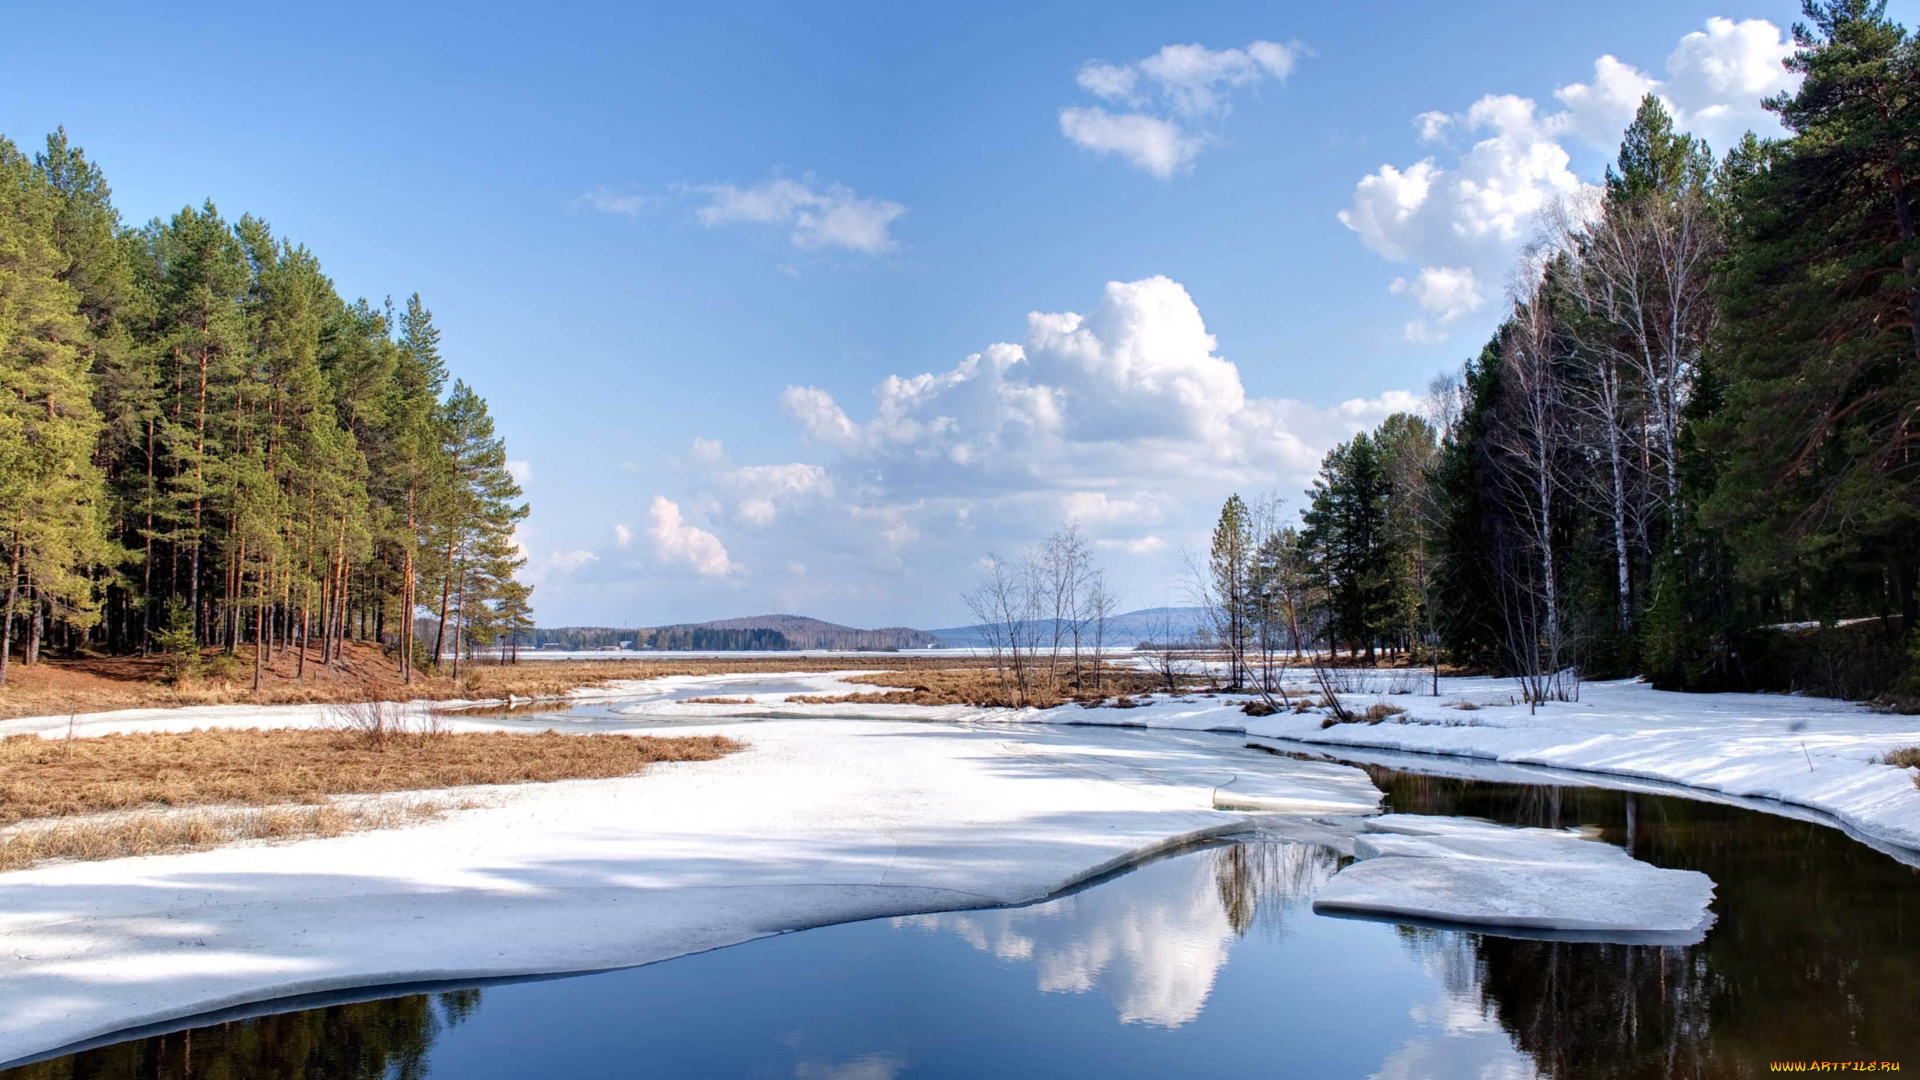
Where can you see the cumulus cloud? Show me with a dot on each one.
(1128, 415)
(1178, 96)
(1124, 416)
(763, 490)
(675, 541)
(1449, 293)
(815, 215)
(1462, 217)
(622, 536)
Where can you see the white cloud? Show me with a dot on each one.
(630, 466)
(1115, 82)
(708, 449)
(1161, 147)
(1122, 417)
(818, 216)
(1446, 293)
(1134, 387)
(816, 411)
(622, 536)
(764, 489)
(675, 541)
(566, 562)
(1100, 508)
(521, 471)
(1128, 415)
(1194, 77)
(1462, 220)
(1178, 94)
(1433, 125)
(1145, 545)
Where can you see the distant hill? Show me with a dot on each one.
(1123, 631)
(753, 632)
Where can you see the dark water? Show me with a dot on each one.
(1209, 963)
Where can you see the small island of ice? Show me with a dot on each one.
(1457, 870)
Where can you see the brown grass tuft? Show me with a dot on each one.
(1380, 710)
(1907, 757)
(155, 832)
(52, 778)
(718, 701)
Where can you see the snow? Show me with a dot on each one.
(1816, 753)
(851, 811)
(1458, 870)
(817, 822)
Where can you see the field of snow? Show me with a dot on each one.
(817, 822)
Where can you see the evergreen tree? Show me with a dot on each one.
(51, 495)
(1819, 495)
(276, 464)
(1346, 528)
(1229, 569)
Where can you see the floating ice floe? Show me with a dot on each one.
(1537, 882)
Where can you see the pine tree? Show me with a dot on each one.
(1820, 349)
(1230, 567)
(51, 495)
(1346, 529)
(476, 515)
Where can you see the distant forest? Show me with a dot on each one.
(203, 444)
(770, 632)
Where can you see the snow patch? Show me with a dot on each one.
(1458, 870)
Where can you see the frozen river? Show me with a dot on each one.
(1206, 963)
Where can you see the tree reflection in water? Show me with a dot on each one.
(1815, 954)
(387, 1039)
(1259, 883)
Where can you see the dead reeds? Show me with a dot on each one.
(54, 778)
(154, 832)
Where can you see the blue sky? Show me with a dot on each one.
(681, 249)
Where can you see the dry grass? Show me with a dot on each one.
(53, 778)
(153, 832)
(1380, 710)
(718, 701)
(545, 678)
(977, 683)
(100, 683)
(1907, 757)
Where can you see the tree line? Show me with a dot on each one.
(1695, 432)
(203, 445)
